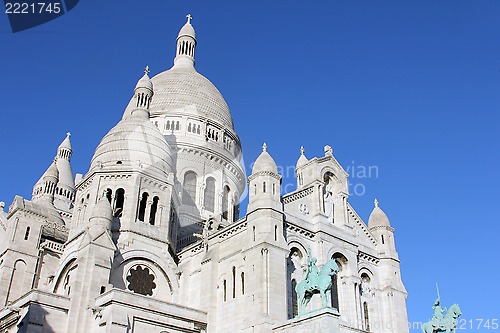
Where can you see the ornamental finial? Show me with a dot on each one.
(264, 147)
(376, 202)
(189, 17)
(146, 70)
(301, 150)
(68, 134)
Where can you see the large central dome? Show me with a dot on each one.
(196, 122)
(183, 88)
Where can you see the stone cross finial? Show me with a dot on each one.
(68, 134)
(189, 17)
(376, 202)
(146, 70)
(328, 150)
(264, 147)
(301, 150)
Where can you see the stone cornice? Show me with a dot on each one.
(299, 230)
(360, 223)
(288, 198)
(264, 173)
(367, 257)
(391, 229)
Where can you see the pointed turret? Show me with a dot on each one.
(65, 192)
(264, 183)
(380, 227)
(143, 93)
(44, 189)
(186, 44)
(302, 159)
(378, 218)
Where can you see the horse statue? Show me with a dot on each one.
(448, 322)
(316, 282)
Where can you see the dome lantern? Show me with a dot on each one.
(186, 44)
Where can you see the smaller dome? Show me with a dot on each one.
(66, 144)
(378, 218)
(134, 140)
(264, 162)
(302, 159)
(51, 171)
(144, 81)
(187, 29)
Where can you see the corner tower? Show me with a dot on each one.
(196, 122)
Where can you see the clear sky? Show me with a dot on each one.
(409, 90)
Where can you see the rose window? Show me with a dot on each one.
(141, 281)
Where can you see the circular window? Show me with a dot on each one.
(141, 280)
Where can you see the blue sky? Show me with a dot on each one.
(409, 88)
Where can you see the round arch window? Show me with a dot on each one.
(141, 280)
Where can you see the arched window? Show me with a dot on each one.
(109, 193)
(295, 304)
(119, 201)
(189, 189)
(242, 283)
(264, 187)
(152, 213)
(224, 286)
(209, 195)
(366, 316)
(236, 212)
(27, 233)
(142, 206)
(294, 263)
(341, 261)
(335, 292)
(225, 203)
(234, 282)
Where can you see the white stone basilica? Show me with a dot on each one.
(150, 240)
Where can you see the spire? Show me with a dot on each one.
(46, 186)
(65, 150)
(66, 182)
(143, 93)
(186, 45)
(302, 159)
(264, 163)
(378, 217)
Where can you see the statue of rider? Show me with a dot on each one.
(438, 317)
(312, 270)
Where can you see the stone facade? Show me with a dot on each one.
(150, 239)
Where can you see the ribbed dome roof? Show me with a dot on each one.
(378, 218)
(182, 87)
(264, 162)
(302, 159)
(144, 81)
(51, 171)
(66, 144)
(134, 140)
(187, 30)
